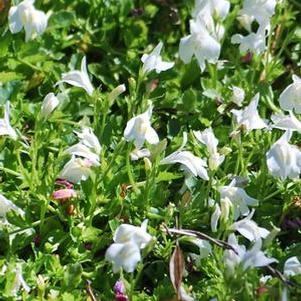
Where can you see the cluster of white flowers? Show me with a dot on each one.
(245, 258)
(260, 11)
(235, 203)
(203, 42)
(284, 159)
(26, 15)
(205, 32)
(85, 154)
(248, 117)
(208, 138)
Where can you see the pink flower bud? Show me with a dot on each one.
(64, 183)
(247, 58)
(63, 194)
(119, 289)
(120, 297)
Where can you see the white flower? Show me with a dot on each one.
(137, 235)
(253, 42)
(50, 102)
(292, 267)
(246, 258)
(226, 206)
(153, 61)
(208, 138)
(189, 161)
(246, 21)
(19, 281)
(264, 279)
(137, 154)
(238, 95)
(286, 122)
(212, 8)
(76, 170)
(125, 251)
(78, 78)
(290, 98)
(255, 257)
(204, 246)
(201, 42)
(25, 15)
(231, 259)
(260, 10)
(88, 147)
(6, 206)
(139, 129)
(5, 127)
(284, 159)
(249, 117)
(89, 139)
(238, 198)
(215, 160)
(215, 217)
(249, 229)
(82, 150)
(123, 256)
(116, 92)
(222, 212)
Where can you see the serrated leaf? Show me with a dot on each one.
(166, 176)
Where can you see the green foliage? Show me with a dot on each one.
(62, 245)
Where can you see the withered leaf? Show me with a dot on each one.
(176, 269)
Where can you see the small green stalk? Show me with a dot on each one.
(129, 169)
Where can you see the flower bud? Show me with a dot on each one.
(119, 290)
(119, 287)
(50, 102)
(272, 235)
(225, 150)
(226, 205)
(41, 282)
(147, 164)
(64, 183)
(63, 195)
(116, 92)
(215, 218)
(238, 95)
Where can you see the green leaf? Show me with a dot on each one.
(166, 176)
(6, 77)
(68, 297)
(73, 276)
(90, 234)
(61, 19)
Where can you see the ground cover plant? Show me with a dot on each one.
(150, 150)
